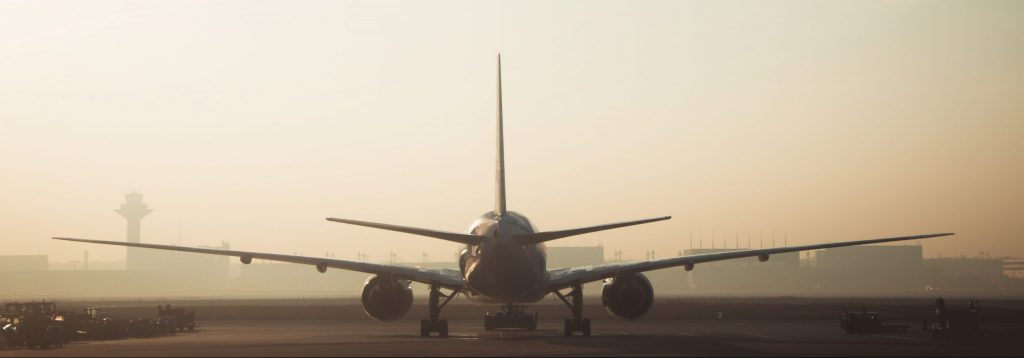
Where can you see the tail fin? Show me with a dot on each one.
(499, 181)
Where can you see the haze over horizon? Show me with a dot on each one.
(250, 122)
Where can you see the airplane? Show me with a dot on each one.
(504, 262)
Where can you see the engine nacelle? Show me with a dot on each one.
(463, 256)
(627, 296)
(386, 300)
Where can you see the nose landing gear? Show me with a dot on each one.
(511, 316)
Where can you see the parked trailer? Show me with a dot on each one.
(955, 323)
(177, 319)
(41, 325)
(6, 336)
(100, 325)
(32, 325)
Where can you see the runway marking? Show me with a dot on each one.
(906, 338)
(756, 335)
(464, 337)
(689, 334)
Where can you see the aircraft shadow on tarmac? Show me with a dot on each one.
(737, 344)
(627, 344)
(612, 343)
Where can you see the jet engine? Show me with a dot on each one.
(463, 256)
(386, 299)
(627, 296)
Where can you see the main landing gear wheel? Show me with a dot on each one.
(427, 327)
(434, 324)
(583, 326)
(511, 316)
(577, 323)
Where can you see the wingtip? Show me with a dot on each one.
(69, 239)
(941, 234)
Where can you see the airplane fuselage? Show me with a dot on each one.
(501, 270)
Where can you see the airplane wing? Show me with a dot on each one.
(447, 278)
(566, 277)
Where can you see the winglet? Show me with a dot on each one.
(499, 180)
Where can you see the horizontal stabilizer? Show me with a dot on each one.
(531, 239)
(450, 236)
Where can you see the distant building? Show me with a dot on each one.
(574, 256)
(287, 279)
(781, 274)
(193, 265)
(24, 263)
(197, 267)
(1013, 267)
(966, 275)
(870, 269)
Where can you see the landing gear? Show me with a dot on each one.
(434, 324)
(577, 323)
(427, 327)
(511, 316)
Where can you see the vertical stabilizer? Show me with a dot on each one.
(499, 180)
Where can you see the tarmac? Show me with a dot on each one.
(787, 332)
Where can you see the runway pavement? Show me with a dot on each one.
(467, 338)
(781, 326)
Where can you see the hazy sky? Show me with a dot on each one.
(251, 121)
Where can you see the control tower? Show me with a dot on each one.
(134, 210)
